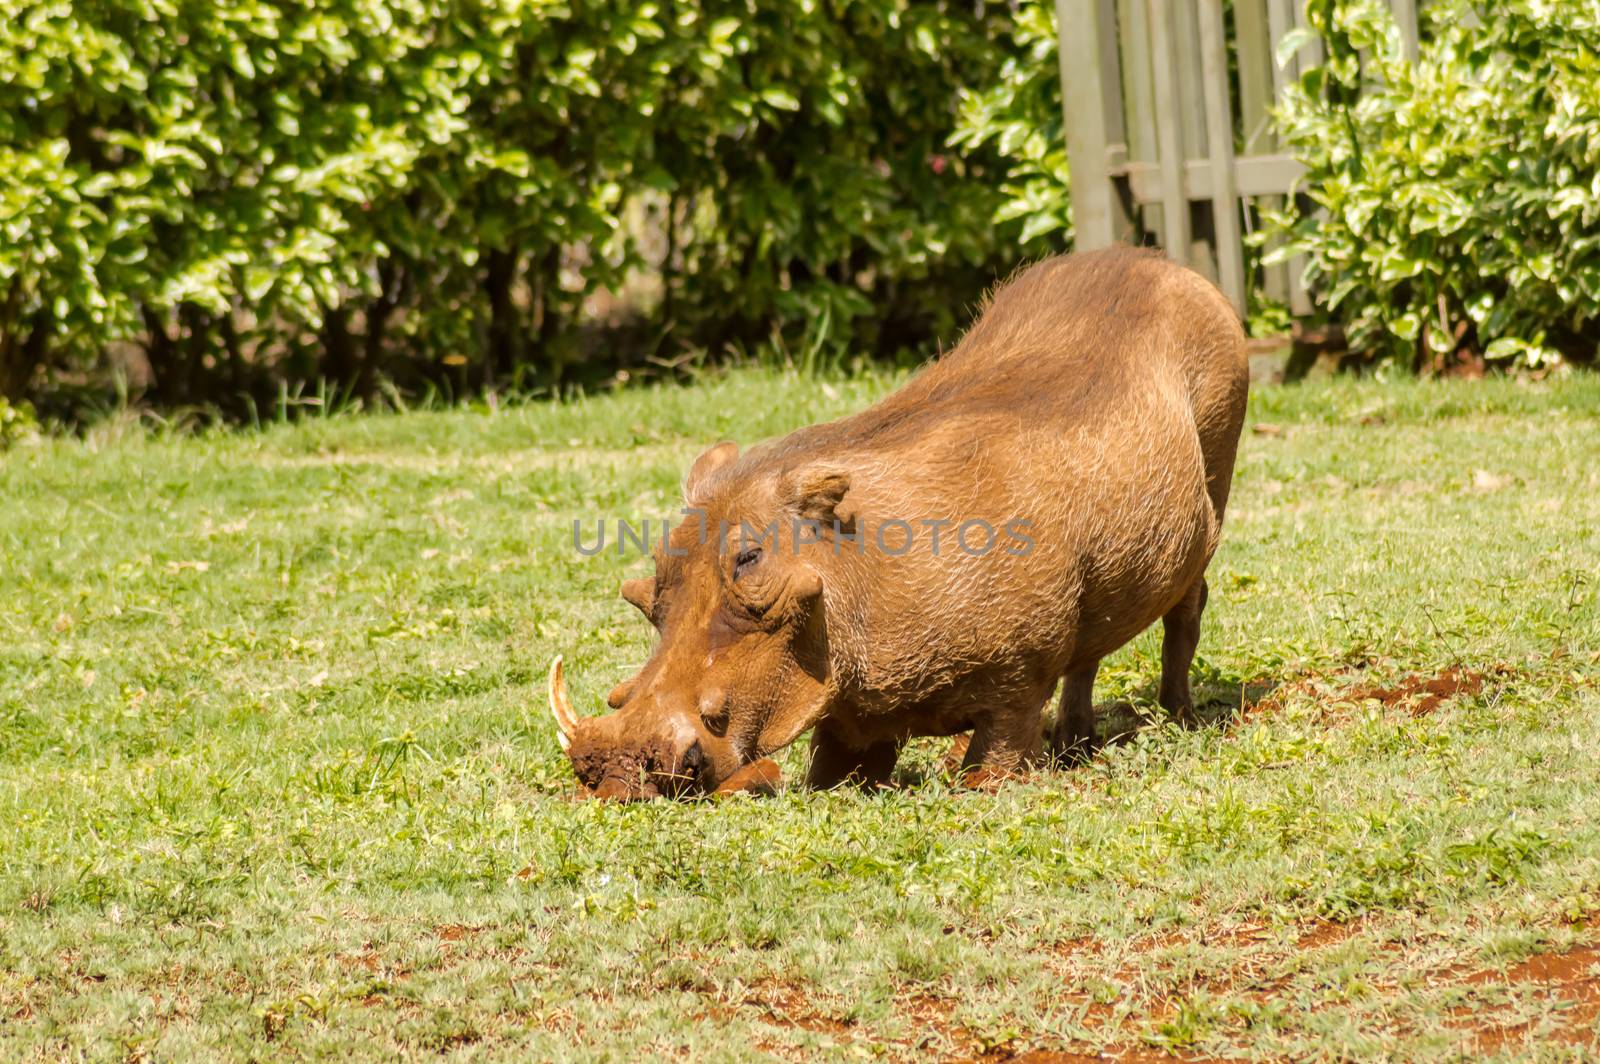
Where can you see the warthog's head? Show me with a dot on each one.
(741, 668)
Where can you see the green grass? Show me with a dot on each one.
(277, 779)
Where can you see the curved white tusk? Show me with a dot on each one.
(560, 707)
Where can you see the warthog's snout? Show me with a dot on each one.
(635, 753)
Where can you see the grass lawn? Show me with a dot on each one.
(277, 779)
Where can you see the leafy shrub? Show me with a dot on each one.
(16, 423)
(192, 175)
(453, 191)
(842, 201)
(1019, 114)
(1454, 204)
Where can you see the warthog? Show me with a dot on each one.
(938, 562)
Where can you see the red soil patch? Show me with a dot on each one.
(932, 1014)
(1244, 935)
(1421, 695)
(1073, 946)
(370, 963)
(1327, 933)
(1114, 1055)
(1572, 967)
(788, 1006)
(1567, 977)
(455, 932)
(362, 960)
(1313, 935)
(1275, 699)
(1416, 693)
(950, 763)
(1050, 1056)
(990, 780)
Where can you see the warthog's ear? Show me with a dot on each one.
(709, 462)
(816, 493)
(641, 594)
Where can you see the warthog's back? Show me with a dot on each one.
(1065, 342)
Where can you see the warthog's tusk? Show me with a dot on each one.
(560, 708)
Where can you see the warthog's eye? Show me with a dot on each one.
(745, 561)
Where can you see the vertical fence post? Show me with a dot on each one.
(1256, 98)
(1091, 94)
(1169, 61)
(1219, 137)
(1139, 103)
(1405, 16)
(1191, 94)
(1169, 133)
(1280, 20)
(1255, 75)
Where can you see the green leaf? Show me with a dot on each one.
(1292, 42)
(780, 98)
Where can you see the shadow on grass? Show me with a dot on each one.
(1216, 704)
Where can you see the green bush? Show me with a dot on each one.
(1453, 205)
(228, 196)
(17, 422)
(1019, 114)
(194, 176)
(845, 202)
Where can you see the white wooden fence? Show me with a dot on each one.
(1158, 143)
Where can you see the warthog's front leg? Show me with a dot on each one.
(835, 762)
(1007, 737)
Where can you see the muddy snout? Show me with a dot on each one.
(658, 769)
(650, 750)
(760, 777)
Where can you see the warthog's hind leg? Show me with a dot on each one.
(1181, 634)
(1074, 739)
